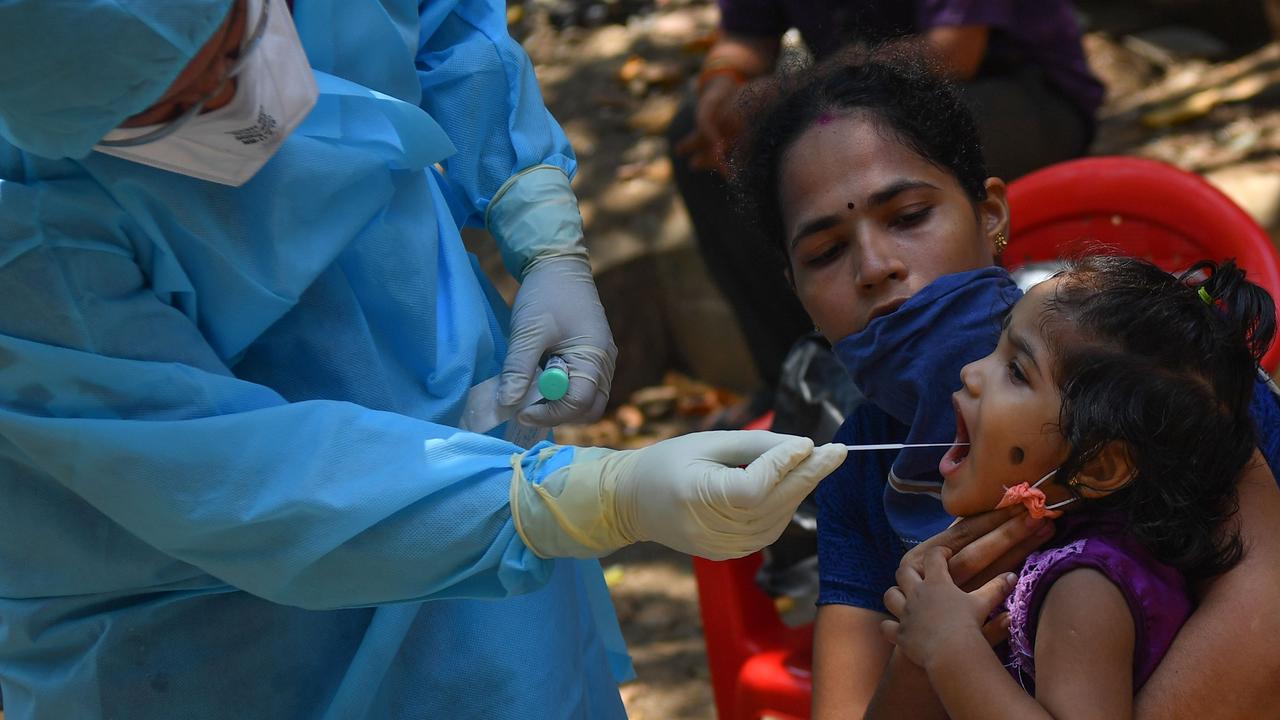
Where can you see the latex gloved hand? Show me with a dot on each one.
(534, 217)
(687, 493)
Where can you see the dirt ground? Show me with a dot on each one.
(1198, 91)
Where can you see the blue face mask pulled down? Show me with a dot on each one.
(908, 363)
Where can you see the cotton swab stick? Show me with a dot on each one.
(899, 446)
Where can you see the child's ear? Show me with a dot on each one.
(791, 279)
(1110, 470)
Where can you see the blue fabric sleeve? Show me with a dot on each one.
(1265, 409)
(318, 504)
(858, 551)
(478, 83)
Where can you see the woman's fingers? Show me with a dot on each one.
(979, 556)
(959, 535)
(1012, 559)
(935, 563)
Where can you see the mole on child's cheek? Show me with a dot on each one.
(1016, 454)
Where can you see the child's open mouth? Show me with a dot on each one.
(960, 450)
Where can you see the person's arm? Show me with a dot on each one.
(318, 504)
(751, 56)
(512, 169)
(478, 83)
(960, 48)
(113, 405)
(1225, 660)
(1084, 649)
(959, 31)
(858, 553)
(730, 64)
(849, 656)
(1084, 661)
(905, 692)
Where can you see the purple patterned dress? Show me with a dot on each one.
(1156, 593)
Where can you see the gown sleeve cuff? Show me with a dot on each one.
(533, 216)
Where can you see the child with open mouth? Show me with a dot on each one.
(1117, 400)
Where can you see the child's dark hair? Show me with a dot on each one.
(1142, 358)
(902, 89)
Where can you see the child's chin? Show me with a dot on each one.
(950, 504)
(957, 505)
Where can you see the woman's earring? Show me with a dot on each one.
(1001, 243)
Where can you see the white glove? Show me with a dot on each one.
(557, 312)
(687, 493)
(534, 217)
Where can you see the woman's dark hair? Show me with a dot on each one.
(901, 88)
(1166, 366)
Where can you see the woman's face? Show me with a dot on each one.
(868, 222)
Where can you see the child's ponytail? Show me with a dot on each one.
(1248, 311)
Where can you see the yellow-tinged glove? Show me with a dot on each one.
(687, 493)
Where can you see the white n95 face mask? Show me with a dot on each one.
(275, 90)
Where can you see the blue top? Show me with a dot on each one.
(232, 481)
(866, 522)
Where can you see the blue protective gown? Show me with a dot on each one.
(230, 484)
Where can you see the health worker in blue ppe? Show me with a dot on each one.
(238, 335)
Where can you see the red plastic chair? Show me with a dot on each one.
(1142, 207)
(760, 667)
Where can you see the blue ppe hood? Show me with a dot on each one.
(72, 70)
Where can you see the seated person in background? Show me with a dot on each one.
(868, 177)
(1024, 76)
(1126, 392)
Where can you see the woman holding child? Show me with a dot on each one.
(870, 176)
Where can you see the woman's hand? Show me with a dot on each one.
(718, 123)
(934, 614)
(720, 115)
(983, 546)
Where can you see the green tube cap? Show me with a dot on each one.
(553, 383)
